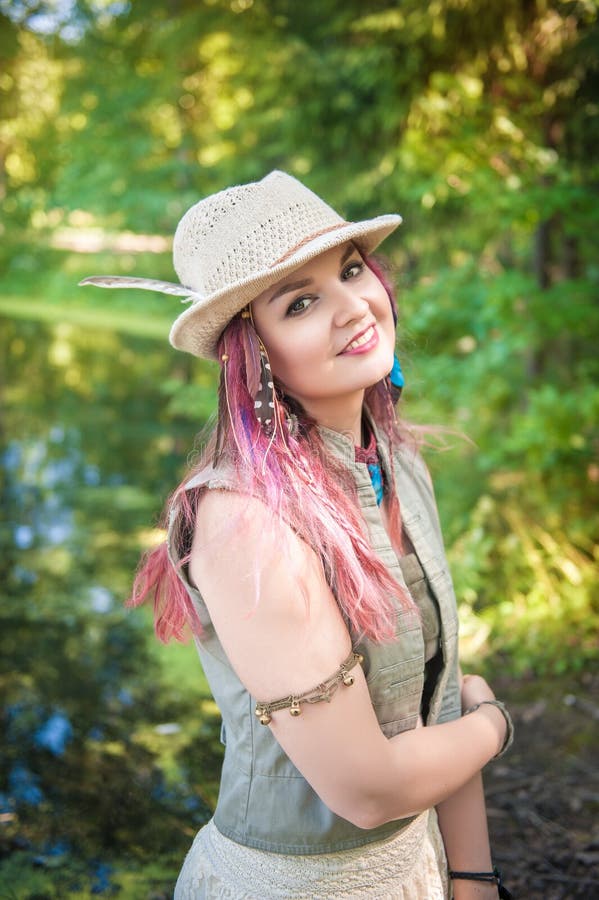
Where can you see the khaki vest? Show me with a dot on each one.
(264, 801)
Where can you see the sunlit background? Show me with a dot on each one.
(479, 123)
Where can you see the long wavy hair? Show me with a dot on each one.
(293, 474)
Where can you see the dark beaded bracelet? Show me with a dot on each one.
(509, 734)
(493, 877)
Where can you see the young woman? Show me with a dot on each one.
(304, 549)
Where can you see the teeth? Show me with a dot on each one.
(363, 339)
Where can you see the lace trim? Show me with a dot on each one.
(409, 866)
(323, 691)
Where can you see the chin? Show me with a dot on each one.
(370, 382)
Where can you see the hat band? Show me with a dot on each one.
(306, 240)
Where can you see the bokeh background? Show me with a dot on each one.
(479, 122)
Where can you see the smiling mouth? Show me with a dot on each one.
(362, 339)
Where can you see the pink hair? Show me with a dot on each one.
(294, 475)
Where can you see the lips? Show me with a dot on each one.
(363, 338)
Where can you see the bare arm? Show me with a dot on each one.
(281, 640)
(463, 824)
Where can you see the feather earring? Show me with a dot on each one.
(264, 398)
(260, 382)
(270, 412)
(251, 357)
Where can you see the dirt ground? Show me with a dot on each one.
(543, 797)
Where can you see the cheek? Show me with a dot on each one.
(291, 364)
(297, 347)
(390, 330)
(386, 320)
(301, 362)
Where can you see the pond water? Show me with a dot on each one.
(89, 451)
(107, 733)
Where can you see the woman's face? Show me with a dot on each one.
(328, 329)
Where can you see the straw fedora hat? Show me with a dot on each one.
(233, 245)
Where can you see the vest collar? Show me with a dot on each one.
(341, 444)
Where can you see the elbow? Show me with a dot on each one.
(368, 811)
(368, 818)
(370, 795)
(361, 817)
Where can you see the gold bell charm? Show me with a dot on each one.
(294, 709)
(263, 716)
(348, 679)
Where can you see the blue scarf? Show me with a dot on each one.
(369, 455)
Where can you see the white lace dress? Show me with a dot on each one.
(408, 866)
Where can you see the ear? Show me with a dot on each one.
(146, 284)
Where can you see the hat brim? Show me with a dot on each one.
(198, 329)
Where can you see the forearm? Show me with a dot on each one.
(463, 824)
(402, 776)
(440, 760)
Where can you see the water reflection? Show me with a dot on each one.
(119, 749)
(90, 446)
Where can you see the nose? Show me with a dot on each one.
(350, 306)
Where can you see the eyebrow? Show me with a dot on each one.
(286, 288)
(298, 285)
(349, 251)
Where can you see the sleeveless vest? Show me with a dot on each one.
(264, 801)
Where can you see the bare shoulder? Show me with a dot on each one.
(267, 596)
(283, 634)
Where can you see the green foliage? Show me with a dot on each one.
(528, 583)
(60, 877)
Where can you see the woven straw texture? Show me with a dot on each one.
(233, 245)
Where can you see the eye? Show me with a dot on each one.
(299, 305)
(352, 270)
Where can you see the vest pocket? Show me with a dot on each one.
(396, 691)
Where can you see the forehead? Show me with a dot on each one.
(310, 270)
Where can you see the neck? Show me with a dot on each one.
(342, 416)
